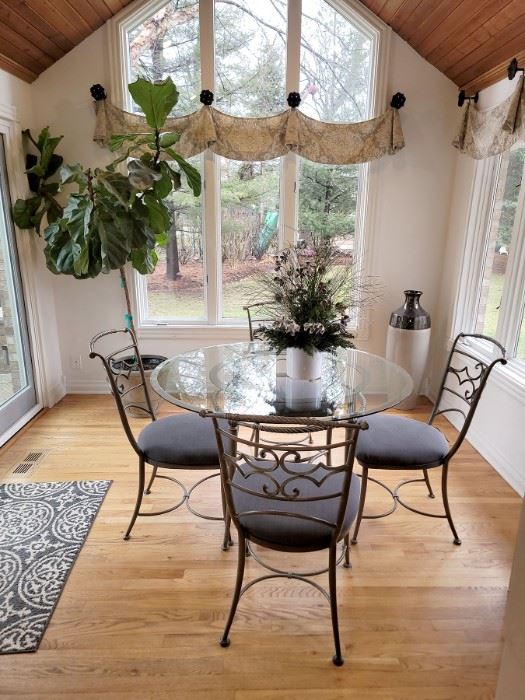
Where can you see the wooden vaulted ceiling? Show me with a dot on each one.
(36, 33)
(470, 41)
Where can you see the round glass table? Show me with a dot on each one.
(250, 379)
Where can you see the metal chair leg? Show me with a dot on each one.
(152, 479)
(225, 641)
(332, 579)
(347, 564)
(429, 486)
(444, 491)
(227, 541)
(142, 478)
(364, 482)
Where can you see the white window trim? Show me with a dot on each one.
(46, 394)
(481, 206)
(366, 215)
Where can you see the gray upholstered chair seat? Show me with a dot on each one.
(184, 439)
(287, 531)
(396, 442)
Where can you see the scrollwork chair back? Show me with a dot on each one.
(465, 377)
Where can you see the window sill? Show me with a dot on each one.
(511, 378)
(189, 332)
(204, 332)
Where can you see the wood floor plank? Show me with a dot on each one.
(420, 618)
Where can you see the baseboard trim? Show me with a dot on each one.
(54, 394)
(88, 386)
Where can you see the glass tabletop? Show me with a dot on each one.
(250, 379)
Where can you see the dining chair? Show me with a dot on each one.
(289, 499)
(396, 443)
(181, 441)
(254, 319)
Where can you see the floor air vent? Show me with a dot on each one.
(29, 464)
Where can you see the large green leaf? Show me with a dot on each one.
(168, 139)
(141, 175)
(53, 210)
(155, 99)
(192, 174)
(116, 142)
(175, 176)
(54, 164)
(114, 241)
(159, 215)
(74, 173)
(77, 216)
(24, 210)
(59, 250)
(143, 260)
(117, 186)
(163, 186)
(47, 144)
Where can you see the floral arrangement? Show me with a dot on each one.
(308, 297)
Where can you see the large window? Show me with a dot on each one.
(493, 278)
(251, 53)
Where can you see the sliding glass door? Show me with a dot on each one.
(17, 389)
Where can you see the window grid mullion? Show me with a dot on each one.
(211, 191)
(289, 189)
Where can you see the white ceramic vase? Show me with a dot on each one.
(301, 365)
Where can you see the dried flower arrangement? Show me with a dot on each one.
(309, 297)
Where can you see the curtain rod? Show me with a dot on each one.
(206, 97)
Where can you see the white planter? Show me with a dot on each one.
(301, 365)
(409, 349)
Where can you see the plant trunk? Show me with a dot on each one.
(124, 284)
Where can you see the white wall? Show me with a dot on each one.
(412, 200)
(16, 110)
(498, 424)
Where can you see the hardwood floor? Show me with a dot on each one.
(420, 618)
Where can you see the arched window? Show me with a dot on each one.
(251, 54)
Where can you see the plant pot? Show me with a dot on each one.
(132, 379)
(301, 365)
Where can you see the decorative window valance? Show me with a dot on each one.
(249, 139)
(482, 134)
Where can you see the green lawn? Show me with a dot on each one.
(491, 314)
(190, 304)
(493, 302)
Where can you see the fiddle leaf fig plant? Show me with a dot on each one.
(110, 218)
(28, 213)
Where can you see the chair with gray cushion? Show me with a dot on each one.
(396, 443)
(181, 441)
(289, 498)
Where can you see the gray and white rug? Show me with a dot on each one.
(42, 529)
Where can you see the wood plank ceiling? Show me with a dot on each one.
(470, 41)
(36, 33)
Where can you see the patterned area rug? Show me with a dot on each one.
(42, 530)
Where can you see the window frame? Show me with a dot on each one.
(512, 308)
(214, 327)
